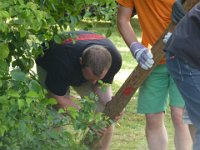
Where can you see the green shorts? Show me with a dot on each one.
(154, 92)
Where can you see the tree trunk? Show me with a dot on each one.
(136, 78)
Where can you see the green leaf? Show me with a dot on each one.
(103, 89)
(74, 21)
(57, 39)
(1, 144)
(13, 93)
(35, 86)
(32, 94)
(31, 5)
(92, 95)
(3, 129)
(29, 101)
(108, 33)
(73, 112)
(51, 101)
(3, 67)
(61, 110)
(36, 25)
(21, 2)
(18, 75)
(20, 103)
(3, 27)
(1, 83)
(3, 99)
(22, 32)
(4, 14)
(4, 50)
(100, 82)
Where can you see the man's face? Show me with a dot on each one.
(88, 75)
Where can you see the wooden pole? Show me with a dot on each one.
(136, 78)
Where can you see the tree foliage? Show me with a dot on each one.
(26, 117)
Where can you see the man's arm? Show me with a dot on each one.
(63, 102)
(143, 55)
(105, 95)
(124, 25)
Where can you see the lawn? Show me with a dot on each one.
(130, 131)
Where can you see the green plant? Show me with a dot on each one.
(27, 119)
(88, 120)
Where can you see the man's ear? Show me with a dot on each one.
(81, 61)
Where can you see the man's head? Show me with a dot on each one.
(95, 61)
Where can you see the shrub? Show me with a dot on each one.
(26, 115)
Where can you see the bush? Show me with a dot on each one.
(26, 115)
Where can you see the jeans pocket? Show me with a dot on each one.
(195, 76)
(174, 66)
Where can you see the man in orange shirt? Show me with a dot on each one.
(154, 16)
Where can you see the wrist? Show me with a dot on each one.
(133, 43)
(133, 48)
(136, 47)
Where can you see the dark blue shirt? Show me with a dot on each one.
(62, 61)
(185, 40)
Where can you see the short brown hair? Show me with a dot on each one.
(97, 58)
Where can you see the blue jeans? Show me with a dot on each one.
(187, 79)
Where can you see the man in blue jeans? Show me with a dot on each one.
(183, 61)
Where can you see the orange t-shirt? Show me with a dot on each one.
(154, 16)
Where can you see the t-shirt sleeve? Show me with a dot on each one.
(56, 80)
(126, 3)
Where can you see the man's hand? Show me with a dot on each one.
(99, 132)
(178, 12)
(63, 102)
(143, 55)
(118, 117)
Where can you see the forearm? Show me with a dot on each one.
(104, 95)
(64, 102)
(143, 56)
(124, 25)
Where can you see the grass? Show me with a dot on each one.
(130, 133)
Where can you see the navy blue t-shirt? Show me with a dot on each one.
(62, 61)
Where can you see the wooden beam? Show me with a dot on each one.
(136, 78)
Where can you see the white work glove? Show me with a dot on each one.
(143, 55)
(166, 37)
